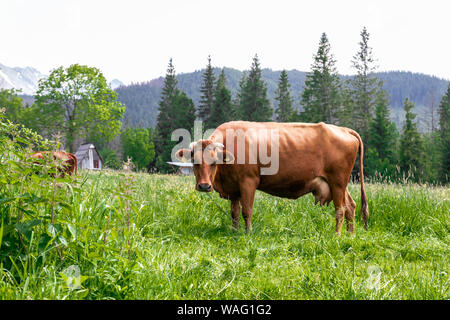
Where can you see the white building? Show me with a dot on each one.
(88, 157)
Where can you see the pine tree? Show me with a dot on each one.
(321, 95)
(345, 113)
(364, 87)
(284, 111)
(254, 104)
(382, 139)
(165, 120)
(184, 111)
(207, 95)
(411, 144)
(222, 109)
(444, 135)
(238, 97)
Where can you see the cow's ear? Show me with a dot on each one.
(226, 156)
(184, 155)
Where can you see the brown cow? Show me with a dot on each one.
(69, 160)
(315, 158)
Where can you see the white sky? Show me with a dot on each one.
(133, 40)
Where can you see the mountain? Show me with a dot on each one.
(114, 84)
(25, 79)
(142, 99)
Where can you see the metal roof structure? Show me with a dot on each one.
(86, 155)
(181, 164)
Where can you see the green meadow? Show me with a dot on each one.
(115, 235)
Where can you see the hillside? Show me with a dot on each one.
(142, 99)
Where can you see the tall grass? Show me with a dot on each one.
(179, 245)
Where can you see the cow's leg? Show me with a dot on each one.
(247, 189)
(339, 205)
(350, 207)
(235, 212)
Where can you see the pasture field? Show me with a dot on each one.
(140, 236)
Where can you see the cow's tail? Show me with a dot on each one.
(364, 205)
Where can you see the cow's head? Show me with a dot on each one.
(205, 155)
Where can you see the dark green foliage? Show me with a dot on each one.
(432, 163)
(222, 108)
(110, 159)
(137, 145)
(238, 96)
(284, 110)
(207, 97)
(253, 103)
(183, 117)
(411, 157)
(382, 140)
(184, 111)
(321, 96)
(444, 135)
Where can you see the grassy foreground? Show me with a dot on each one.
(170, 242)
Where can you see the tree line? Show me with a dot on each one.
(76, 105)
(359, 102)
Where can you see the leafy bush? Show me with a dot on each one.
(47, 231)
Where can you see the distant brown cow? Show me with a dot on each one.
(316, 158)
(69, 160)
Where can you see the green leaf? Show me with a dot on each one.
(44, 241)
(54, 229)
(72, 230)
(62, 241)
(27, 226)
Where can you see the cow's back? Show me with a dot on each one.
(306, 151)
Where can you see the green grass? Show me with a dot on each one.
(179, 245)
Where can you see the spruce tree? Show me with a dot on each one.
(184, 111)
(284, 111)
(165, 120)
(364, 87)
(222, 109)
(411, 144)
(321, 96)
(444, 135)
(207, 95)
(382, 139)
(254, 104)
(238, 97)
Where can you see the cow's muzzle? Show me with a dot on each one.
(204, 187)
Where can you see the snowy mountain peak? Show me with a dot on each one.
(25, 79)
